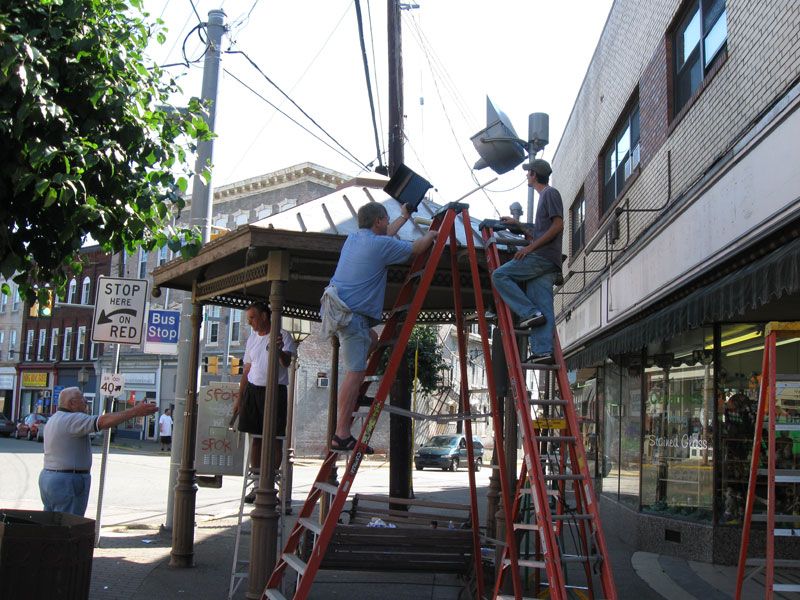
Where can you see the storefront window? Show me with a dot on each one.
(740, 378)
(610, 406)
(677, 457)
(584, 394)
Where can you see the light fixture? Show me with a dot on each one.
(760, 348)
(299, 328)
(736, 340)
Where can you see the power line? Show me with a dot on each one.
(375, 67)
(367, 78)
(297, 106)
(303, 127)
(196, 14)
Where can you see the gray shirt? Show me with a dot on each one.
(549, 207)
(66, 440)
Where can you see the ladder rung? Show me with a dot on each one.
(294, 561)
(548, 402)
(531, 564)
(548, 492)
(399, 309)
(574, 558)
(786, 587)
(787, 532)
(565, 477)
(761, 517)
(783, 475)
(787, 427)
(778, 562)
(505, 597)
(373, 378)
(526, 526)
(326, 487)
(386, 344)
(572, 517)
(535, 367)
(311, 525)
(416, 274)
(556, 439)
(273, 594)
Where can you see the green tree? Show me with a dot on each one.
(431, 362)
(90, 144)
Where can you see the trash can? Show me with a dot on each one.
(45, 555)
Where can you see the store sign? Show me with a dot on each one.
(161, 335)
(6, 382)
(33, 379)
(57, 389)
(119, 310)
(219, 449)
(140, 378)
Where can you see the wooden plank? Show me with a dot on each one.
(412, 502)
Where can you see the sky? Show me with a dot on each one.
(526, 55)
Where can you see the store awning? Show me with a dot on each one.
(734, 291)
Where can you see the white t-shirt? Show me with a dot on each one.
(255, 354)
(165, 425)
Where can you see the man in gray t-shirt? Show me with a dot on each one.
(536, 266)
(65, 480)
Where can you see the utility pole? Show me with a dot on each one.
(395, 86)
(182, 490)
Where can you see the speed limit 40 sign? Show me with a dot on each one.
(111, 384)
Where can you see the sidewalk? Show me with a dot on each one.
(133, 563)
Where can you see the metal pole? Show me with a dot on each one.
(333, 390)
(200, 216)
(103, 461)
(288, 455)
(395, 86)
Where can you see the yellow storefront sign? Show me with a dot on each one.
(545, 423)
(34, 379)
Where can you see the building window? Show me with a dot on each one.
(40, 353)
(94, 351)
(54, 345)
(2, 341)
(236, 325)
(12, 343)
(163, 255)
(29, 345)
(577, 217)
(142, 264)
(17, 300)
(67, 355)
(3, 302)
(72, 291)
(213, 325)
(620, 157)
(701, 34)
(81, 348)
(85, 289)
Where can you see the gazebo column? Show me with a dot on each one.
(263, 546)
(333, 391)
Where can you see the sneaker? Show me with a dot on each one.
(534, 320)
(250, 498)
(543, 358)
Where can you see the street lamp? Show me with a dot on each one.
(83, 378)
(300, 329)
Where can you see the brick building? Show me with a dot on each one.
(678, 167)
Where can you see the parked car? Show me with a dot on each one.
(448, 452)
(7, 426)
(31, 427)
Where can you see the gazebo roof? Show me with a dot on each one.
(231, 270)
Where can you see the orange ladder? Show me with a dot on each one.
(771, 476)
(395, 335)
(555, 466)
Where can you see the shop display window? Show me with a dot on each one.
(584, 394)
(678, 427)
(742, 351)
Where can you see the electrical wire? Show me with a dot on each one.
(375, 71)
(303, 127)
(367, 78)
(196, 14)
(309, 117)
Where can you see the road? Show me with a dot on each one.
(136, 483)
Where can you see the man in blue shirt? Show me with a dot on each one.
(360, 283)
(536, 266)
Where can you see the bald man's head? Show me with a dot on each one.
(71, 398)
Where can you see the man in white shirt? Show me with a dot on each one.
(252, 388)
(165, 430)
(65, 479)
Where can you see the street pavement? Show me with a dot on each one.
(132, 562)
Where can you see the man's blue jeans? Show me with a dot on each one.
(65, 492)
(537, 275)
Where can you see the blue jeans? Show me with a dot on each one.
(538, 275)
(65, 492)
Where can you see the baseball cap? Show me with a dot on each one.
(539, 166)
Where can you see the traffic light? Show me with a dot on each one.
(42, 309)
(236, 365)
(211, 364)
